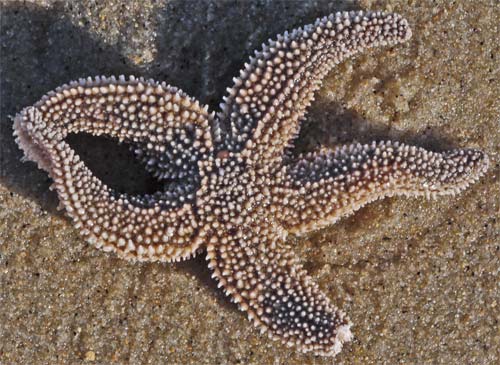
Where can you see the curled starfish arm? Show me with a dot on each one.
(334, 183)
(262, 111)
(162, 226)
(264, 279)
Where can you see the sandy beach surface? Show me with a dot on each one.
(419, 278)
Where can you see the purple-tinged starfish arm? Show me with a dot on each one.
(330, 184)
(263, 277)
(263, 110)
(162, 226)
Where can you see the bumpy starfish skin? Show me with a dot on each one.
(229, 186)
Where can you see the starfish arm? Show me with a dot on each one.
(258, 271)
(325, 186)
(262, 111)
(162, 226)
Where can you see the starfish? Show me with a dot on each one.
(231, 186)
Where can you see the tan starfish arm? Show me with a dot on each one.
(162, 226)
(331, 184)
(257, 270)
(262, 112)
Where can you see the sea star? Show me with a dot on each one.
(230, 185)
